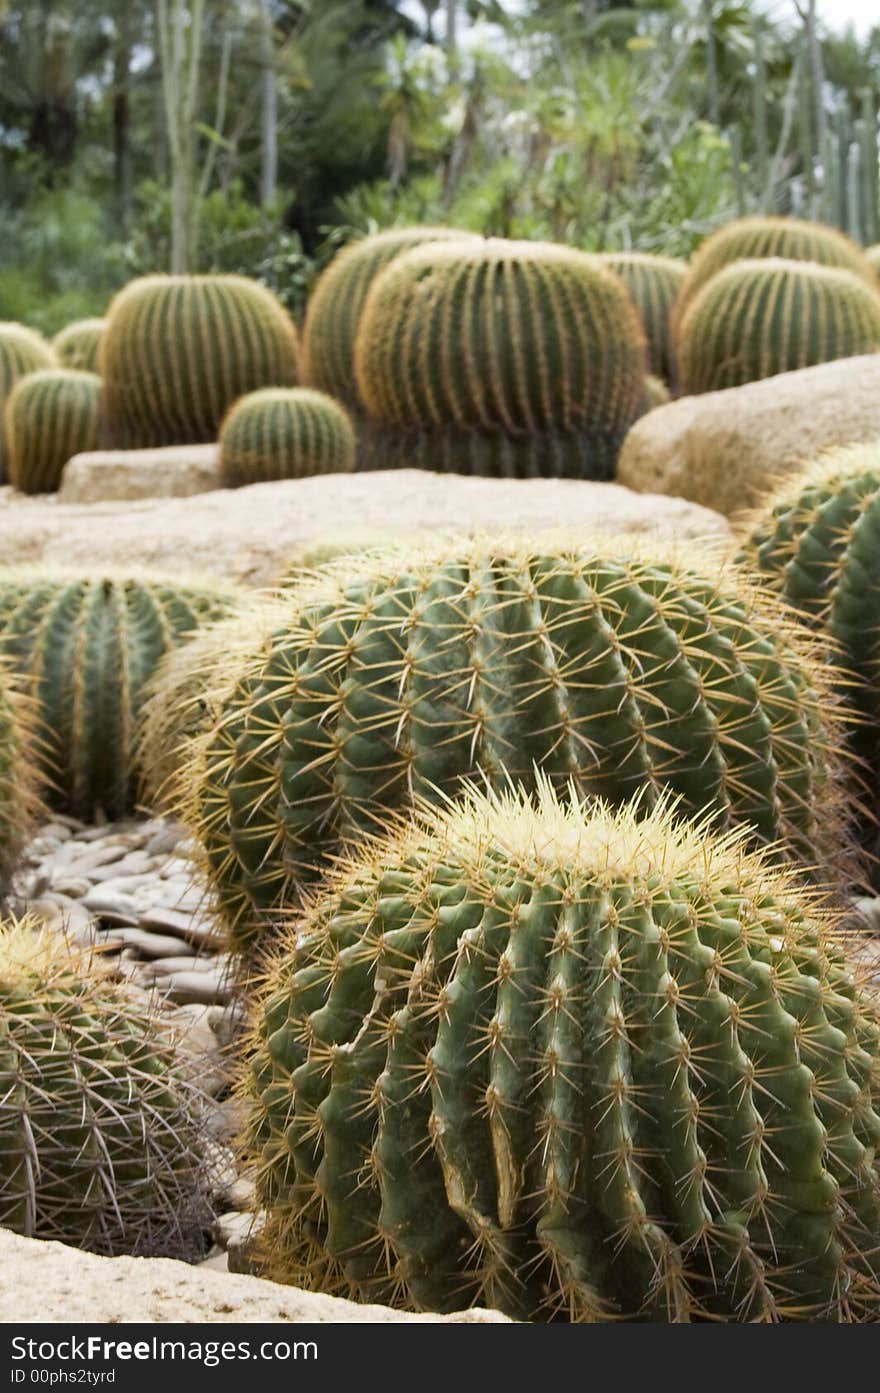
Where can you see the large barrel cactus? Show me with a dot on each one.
(19, 777)
(399, 674)
(573, 1063)
(177, 351)
(497, 357)
(758, 318)
(337, 301)
(76, 346)
(22, 350)
(50, 416)
(653, 282)
(86, 643)
(789, 239)
(99, 1133)
(285, 433)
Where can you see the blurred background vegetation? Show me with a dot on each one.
(257, 135)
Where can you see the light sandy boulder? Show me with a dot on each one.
(725, 449)
(175, 471)
(49, 1282)
(256, 533)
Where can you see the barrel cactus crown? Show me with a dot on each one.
(401, 673)
(285, 433)
(758, 318)
(22, 350)
(652, 282)
(788, 239)
(50, 416)
(337, 302)
(572, 1063)
(76, 346)
(99, 1139)
(177, 351)
(816, 539)
(86, 643)
(500, 357)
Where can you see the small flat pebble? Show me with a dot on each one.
(197, 929)
(163, 840)
(66, 885)
(207, 987)
(149, 945)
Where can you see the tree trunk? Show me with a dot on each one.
(713, 92)
(817, 72)
(452, 35)
(180, 51)
(122, 42)
(269, 114)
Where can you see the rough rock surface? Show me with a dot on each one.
(77, 1287)
(176, 471)
(254, 533)
(725, 449)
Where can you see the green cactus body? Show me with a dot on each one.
(816, 540)
(18, 772)
(572, 1063)
(99, 1141)
(399, 674)
(22, 351)
(282, 433)
(86, 644)
(752, 239)
(652, 282)
(76, 346)
(337, 302)
(532, 351)
(177, 351)
(50, 416)
(758, 318)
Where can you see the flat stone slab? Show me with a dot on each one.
(49, 1282)
(255, 534)
(175, 471)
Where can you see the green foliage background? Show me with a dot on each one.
(605, 125)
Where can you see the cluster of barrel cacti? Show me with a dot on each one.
(532, 852)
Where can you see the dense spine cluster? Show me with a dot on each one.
(280, 433)
(99, 1137)
(652, 283)
(76, 346)
(507, 357)
(177, 351)
(574, 1064)
(402, 673)
(21, 351)
(758, 318)
(337, 301)
(50, 417)
(85, 645)
(788, 239)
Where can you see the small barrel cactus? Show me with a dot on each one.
(403, 672)
(76, 346)
(177, 351)
(99, 1134)
(816, 539)
(284, 433)
(21, 351)
(337, 302)
(50, 416)
(652, 282)
(500, 357)
(790, 239)
(758, 318)
(572, 1063)
(86, 644)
